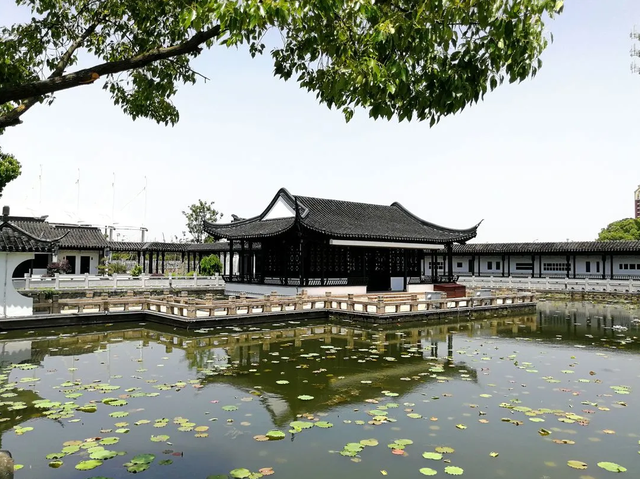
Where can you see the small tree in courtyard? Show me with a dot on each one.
(196, 216)
(210, 265)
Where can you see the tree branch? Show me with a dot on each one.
(89, 75)
(12, 118)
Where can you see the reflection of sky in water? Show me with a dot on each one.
(554, 360)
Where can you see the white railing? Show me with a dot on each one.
(553, 284)
(87, 281)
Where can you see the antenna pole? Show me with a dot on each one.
(113, 203)
(40, 190)
(78, 199)
(144, 218)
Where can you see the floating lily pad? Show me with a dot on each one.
(453, 470)
(88, 465)
(577, 464)
(275, 435)
(240, 473)
(427, 471)
(323, 424)
(436, 456)
(305, 397)
(612, 467)
(445, 449)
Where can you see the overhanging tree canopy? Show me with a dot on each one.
(627, 229)
(419, 59)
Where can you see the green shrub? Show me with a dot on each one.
(117, 268)
(210, 265)
(136, 271)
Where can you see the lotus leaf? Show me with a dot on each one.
(436, 456)
(88, 465)
(369, 442)
(275, 435)
(427, 471)
(577, 464)
(612, 467)
(323, 424)
(240, 473)
(453, 470)
(143, 459)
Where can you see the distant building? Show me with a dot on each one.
(637, 195)
(325, 245)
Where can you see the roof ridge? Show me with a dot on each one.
(17, 229)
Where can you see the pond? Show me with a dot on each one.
(552, 393)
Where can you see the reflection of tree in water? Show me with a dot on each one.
(10, 418)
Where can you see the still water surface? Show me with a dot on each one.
(538, 390)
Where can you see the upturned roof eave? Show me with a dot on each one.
(401, 239)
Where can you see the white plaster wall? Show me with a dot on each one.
(13, 303)
(94, 255)
(262, 289)
(622, 260)
(581, 264)
(419, 288)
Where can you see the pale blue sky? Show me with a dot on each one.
(551, 159)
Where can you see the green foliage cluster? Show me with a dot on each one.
(9, 169)
(622, 230)
(423, 59)
(136, 271)
(196, 215)
(210, 265)
(116, 267)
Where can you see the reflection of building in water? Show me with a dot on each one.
(14, 352)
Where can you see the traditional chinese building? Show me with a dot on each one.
(320, 245)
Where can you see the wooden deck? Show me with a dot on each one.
(185, 311)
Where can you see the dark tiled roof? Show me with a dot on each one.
(14, 238)
(251, 228)
(343, 219)
(75, 237)
(550, 248)
(125, 246)
(82, 237)
(156, 246)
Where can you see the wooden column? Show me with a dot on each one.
(509, 264)
(604, 265)
(231, 260)
(404, 261)
(301, 261)
(434, 267)
(611, 266)
(568, 265)
(533, 265)
(540, 266)
(450, 262)
(163, 253)
(321, 253)
(242, 261)
(502, 269)
(251, 261)
(574, 266)
(157, 261)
